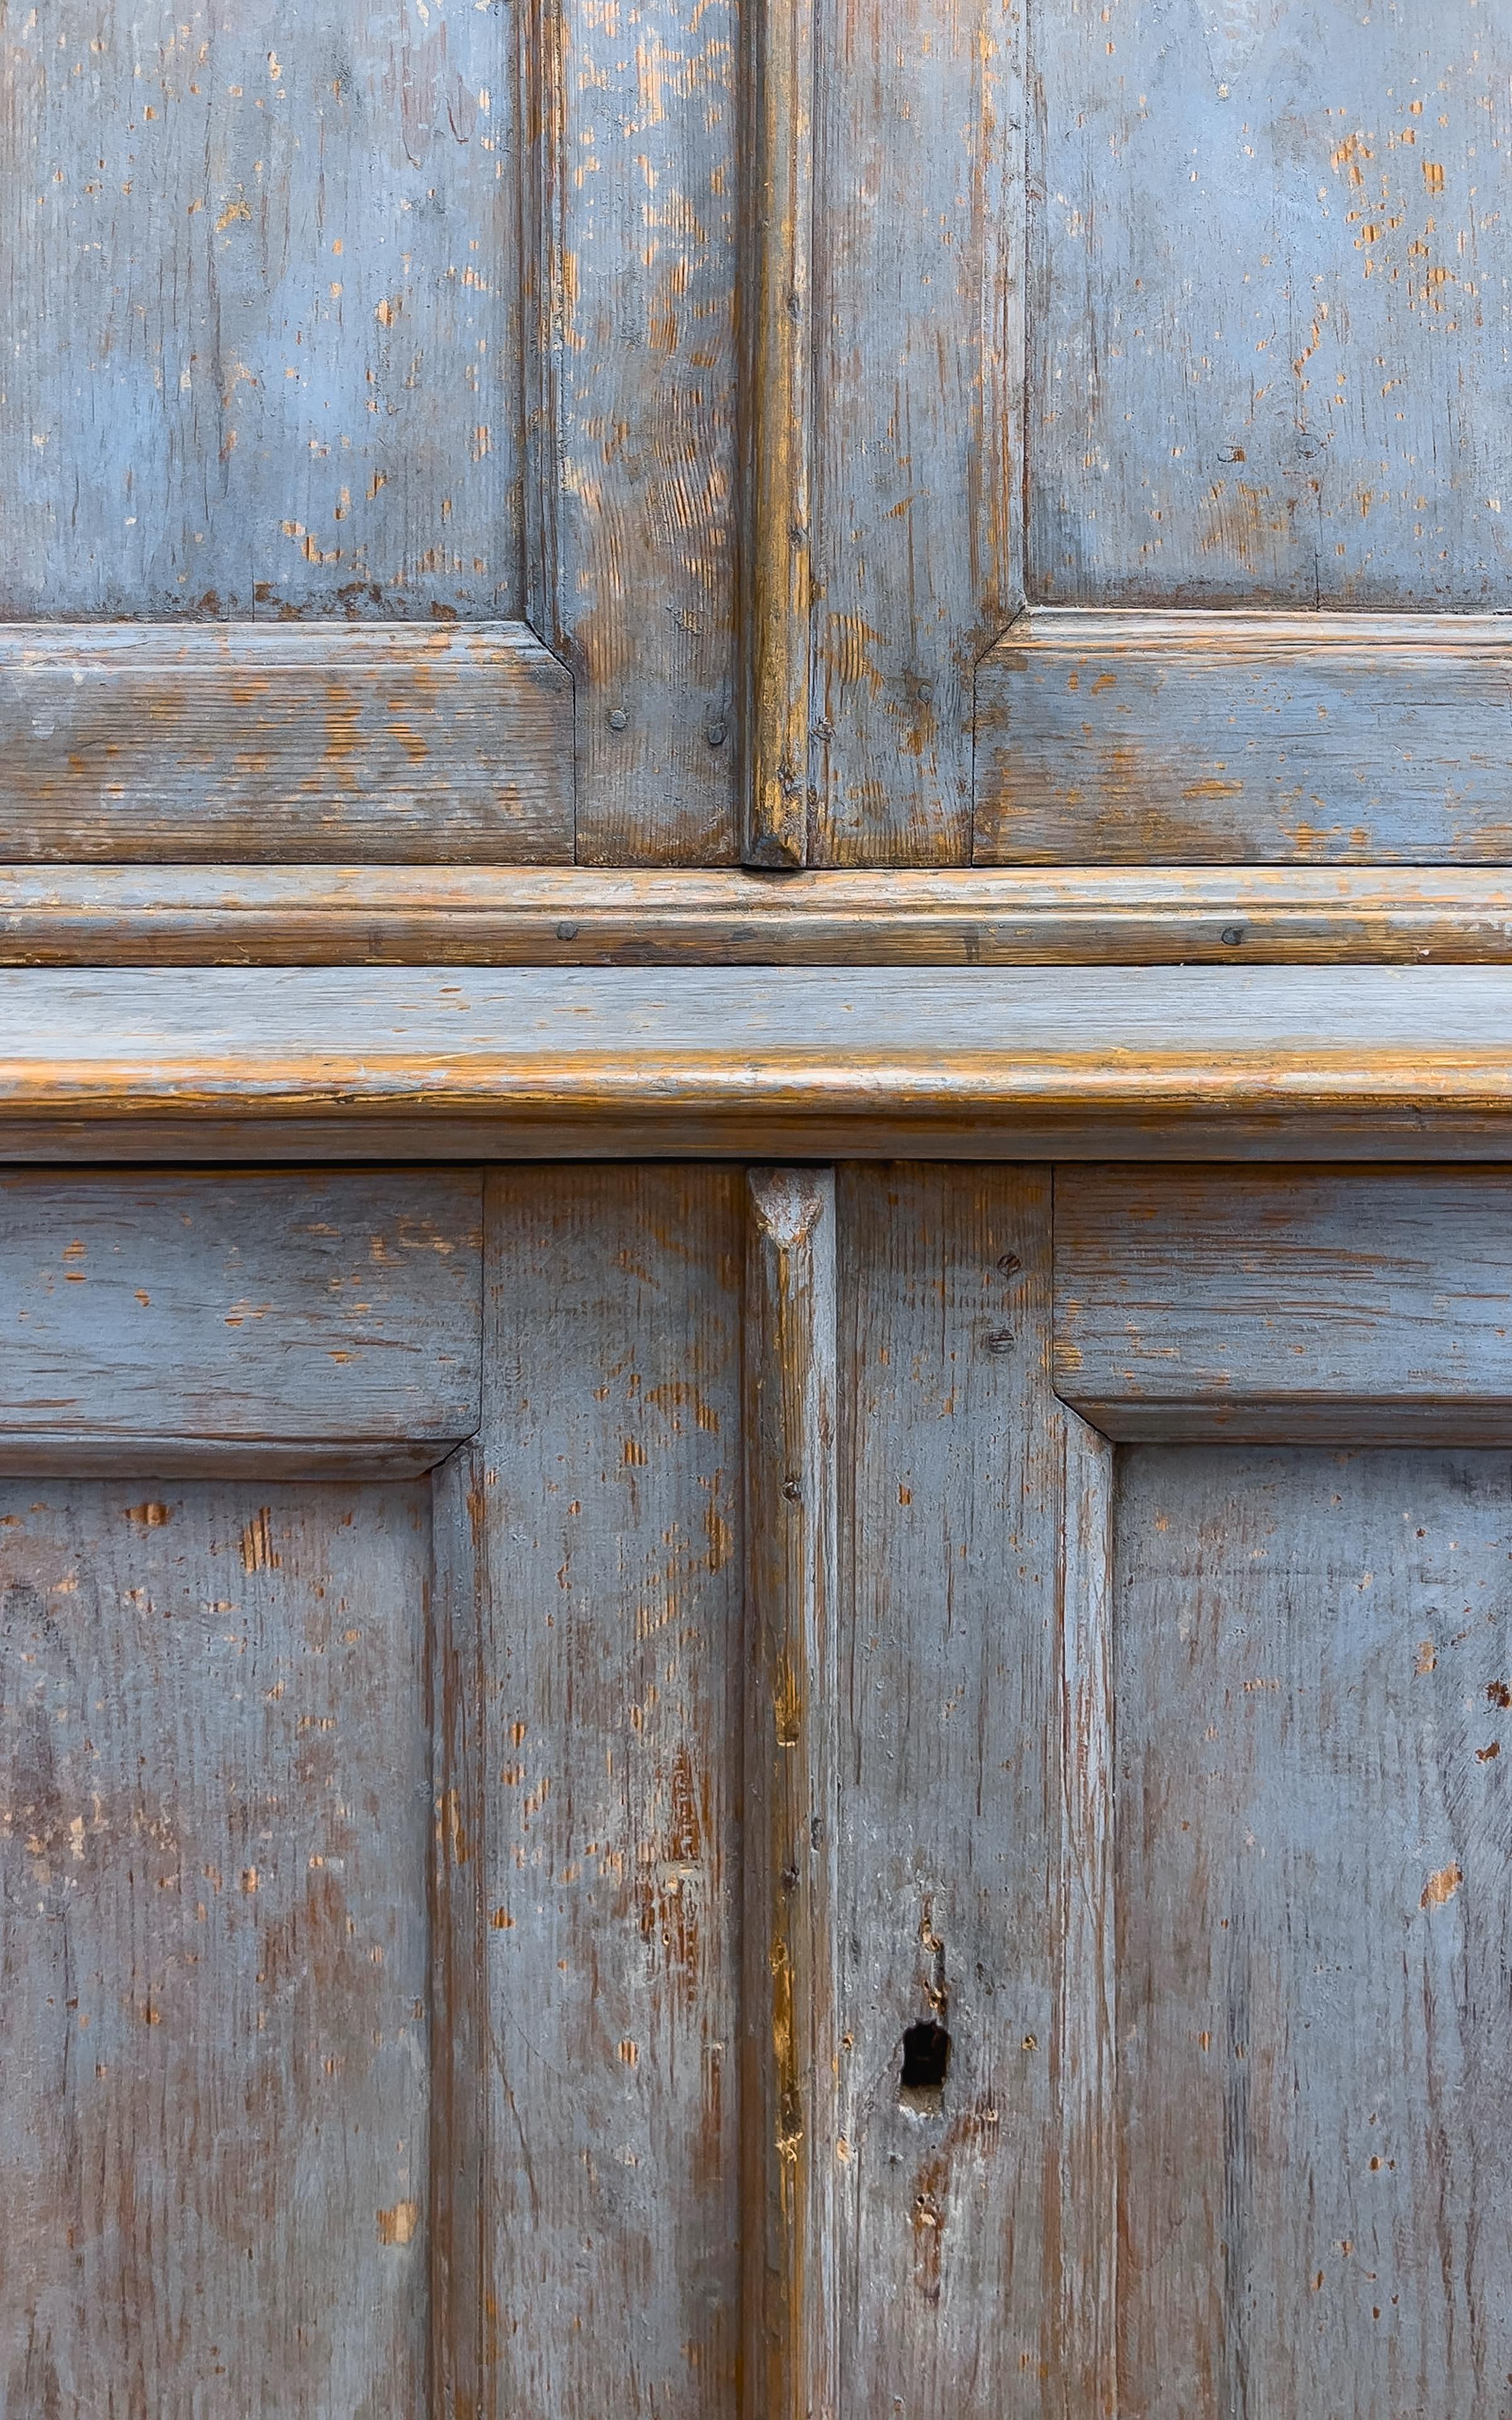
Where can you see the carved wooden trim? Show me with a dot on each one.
(259, 915)
(742, 1063)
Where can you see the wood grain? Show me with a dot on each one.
(792, 2139)
(608, 1531)
(632, 193)
(780, 414)
(201, 1317)
(1310, 1656)
(249, 915)
(953, 1466)
(267, 259)
(1269, 355)
(214, 1833)
(1350, 1061)
(295, 742)
(1284, 1304)
(1212, 738)
(918, 474)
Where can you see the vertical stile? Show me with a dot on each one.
(792, 1716)
(780, 66)
(1088, 2045)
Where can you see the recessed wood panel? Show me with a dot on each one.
(1206, 738)
(1311, 1659)
(214, 1937)
(1268, 312)
(181, 742)
(267, 261)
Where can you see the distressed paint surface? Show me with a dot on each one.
(608, 1541)
(630, 460)
(1287, 1303)
(950, 1478)
(315, 740)
(232, 1311)
(1204, 737)
(1269, 309)
(918, 370)
(233, 915)
(284, 378)
(1311, 1656)
(215, 1834)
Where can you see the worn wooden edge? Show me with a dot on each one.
(285, 915)
(790, 2073)
(56, 1453)
(1078, 629)
(1338, 1416)
(1129, 1063)
(779, 41)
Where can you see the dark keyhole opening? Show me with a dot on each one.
(926, 2060)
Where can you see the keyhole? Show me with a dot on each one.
(926, 2062)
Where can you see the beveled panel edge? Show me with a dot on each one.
(242, 914)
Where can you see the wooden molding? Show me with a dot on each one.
(551, 1063)
(284, 741)
(259, 915)
(1240, 738)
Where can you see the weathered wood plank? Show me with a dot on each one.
(265, 259)
(631, 242)
(1283, 1303)
(608, 1529)
(215, 1780)
(1220, 737)
(918, 299)
(1270, 358)
(954, 1473)
(201, 1316)
(790, 1811)
(244, 915)
(1347, 1061)
(1311, 1660)
(294, 742)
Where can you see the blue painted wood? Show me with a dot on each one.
(265, 257)
(1269, 308)
(304, 1320)
(1202, 738)
(1287, 1303)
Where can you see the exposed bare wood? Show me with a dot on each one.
(528, 916)
(289, 742)
(779, 407)
(1231, 739)
(792, 1803)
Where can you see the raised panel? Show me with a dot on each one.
(215, 1841)
(1310, 1898)
(266, 256)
